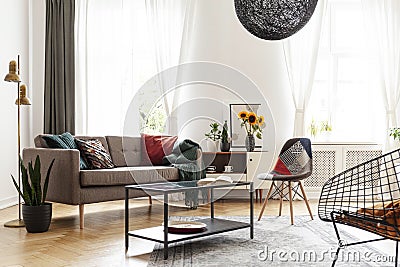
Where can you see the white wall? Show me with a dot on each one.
(219, 37)
(14, 16)
(37, 30)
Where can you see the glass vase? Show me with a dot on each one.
(250, 142)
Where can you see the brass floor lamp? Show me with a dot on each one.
(14, 76)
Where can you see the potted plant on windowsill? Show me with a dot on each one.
(326, 130)
(313, 129)
(213, 137)
(395, 133)
(35, 211)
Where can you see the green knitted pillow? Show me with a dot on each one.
(65, 141)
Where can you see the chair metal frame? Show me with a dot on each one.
(366, 196)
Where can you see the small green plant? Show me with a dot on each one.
(326, 126)
(214, 133)
(32, 191)
(224, 134)
(395, 133)
(313, 128)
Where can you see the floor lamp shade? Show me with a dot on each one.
(23, 99)
(12, 75)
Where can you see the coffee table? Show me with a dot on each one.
(160, 233)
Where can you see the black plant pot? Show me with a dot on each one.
(37, 218)
(225, 147)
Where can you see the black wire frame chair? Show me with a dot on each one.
(367, 197)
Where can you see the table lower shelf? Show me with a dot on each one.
(214, 226)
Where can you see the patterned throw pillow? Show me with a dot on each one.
(95, 154)
(64, 141)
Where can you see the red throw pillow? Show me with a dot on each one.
(155, 147)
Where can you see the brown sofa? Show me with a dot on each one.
(70, 185)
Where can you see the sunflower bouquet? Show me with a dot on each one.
(252, 123)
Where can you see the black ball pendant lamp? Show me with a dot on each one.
(274, 19)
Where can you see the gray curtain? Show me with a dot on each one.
(59, 85)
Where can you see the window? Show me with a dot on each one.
(120, 59)
(344, 92)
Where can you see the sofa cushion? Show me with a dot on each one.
(40, 142)
(128, 175)
(125, 151)
(55, 141)
(95, 154)
(64, 141)
(155, 147)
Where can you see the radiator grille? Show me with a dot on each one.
(324, 166)
(354, 157)
(327, 162)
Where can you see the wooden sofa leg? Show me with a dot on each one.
(150, 201)
(81, 215)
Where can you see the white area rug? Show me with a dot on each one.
(275, 243)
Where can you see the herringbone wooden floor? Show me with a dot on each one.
(101, 243)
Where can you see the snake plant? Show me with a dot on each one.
(32, 191)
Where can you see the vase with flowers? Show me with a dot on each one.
(252, 124)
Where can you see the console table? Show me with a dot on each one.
(246, 166)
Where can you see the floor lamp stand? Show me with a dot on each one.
(18, 222)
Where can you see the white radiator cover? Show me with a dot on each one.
(330, 159)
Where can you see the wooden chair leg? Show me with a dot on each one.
(261, 194)
(81, 215)
(266, 200)
(306, 200)
(280, 198)
(150, 201)
(290, 201)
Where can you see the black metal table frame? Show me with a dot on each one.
(177, 190)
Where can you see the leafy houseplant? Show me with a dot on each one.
(214, 133)
(395, 133)
(36, 212)
(225, 144)
(213, 137)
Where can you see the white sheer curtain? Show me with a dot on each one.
(383, 22)
(301, 51)
(120, 44)
(104, 65)
(80, 67)
(168, 20)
